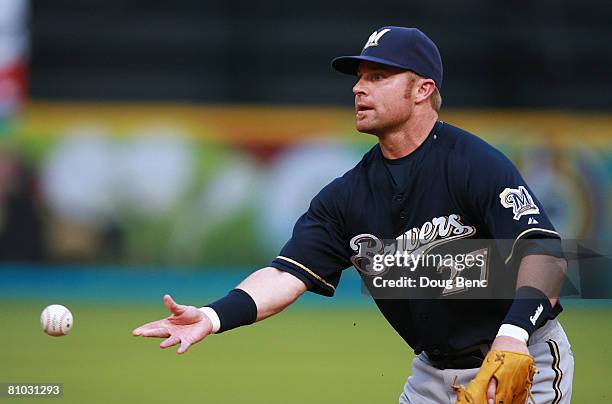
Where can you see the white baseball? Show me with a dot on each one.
(56, 320)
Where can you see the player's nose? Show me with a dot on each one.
(359, 88)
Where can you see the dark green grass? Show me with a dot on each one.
(305, 355)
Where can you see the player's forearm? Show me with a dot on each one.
(261, 295)
(539, 282)
(543, 272)
(272, 290)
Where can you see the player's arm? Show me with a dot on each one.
(262, 294)
(539, 281)
(272, 290)
(543, 272)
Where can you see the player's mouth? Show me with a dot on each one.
(360, 109)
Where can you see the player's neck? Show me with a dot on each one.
(402, 141)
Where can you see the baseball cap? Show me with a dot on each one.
(401, 47)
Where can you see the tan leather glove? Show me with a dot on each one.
(514, 374)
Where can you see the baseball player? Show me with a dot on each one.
(426, 186)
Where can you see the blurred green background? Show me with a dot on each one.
(310, 353)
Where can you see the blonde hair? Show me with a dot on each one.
(436, 100)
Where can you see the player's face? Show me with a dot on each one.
(383, 98)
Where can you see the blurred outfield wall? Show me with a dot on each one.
(222, 185)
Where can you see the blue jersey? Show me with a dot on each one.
(456, 187)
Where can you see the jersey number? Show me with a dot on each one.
(479, 257)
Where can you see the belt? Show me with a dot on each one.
(467, 358)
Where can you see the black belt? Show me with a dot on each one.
(467, 358)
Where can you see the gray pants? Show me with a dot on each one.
(552, 384)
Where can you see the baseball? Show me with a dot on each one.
(56, 320)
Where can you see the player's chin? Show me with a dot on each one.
(364, 126)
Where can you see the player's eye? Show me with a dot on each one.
(377, 77)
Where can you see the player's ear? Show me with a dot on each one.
(425, 88)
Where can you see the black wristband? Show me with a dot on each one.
(530, 309)
(236, 309)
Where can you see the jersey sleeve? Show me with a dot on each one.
(317, 251)
(509, 209)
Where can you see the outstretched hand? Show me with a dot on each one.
(186, 326)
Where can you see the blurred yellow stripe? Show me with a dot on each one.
(274, 124)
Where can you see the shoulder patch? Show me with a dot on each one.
(520, 201)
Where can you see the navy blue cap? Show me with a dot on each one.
(404, 48)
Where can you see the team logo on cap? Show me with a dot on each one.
(520, 201)
(375, 37)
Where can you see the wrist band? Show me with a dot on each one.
(213, 317)
(236, 309)
(530, 309)
(509, 330)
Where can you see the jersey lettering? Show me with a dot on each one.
(416, 241)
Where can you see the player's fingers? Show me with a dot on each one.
(160, 332)
(172, 340)
(185, 344)
(154, 324)
(175, 308)
(491, 391)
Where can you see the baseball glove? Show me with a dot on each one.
(514, 374)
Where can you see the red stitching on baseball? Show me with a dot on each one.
(62, 320)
